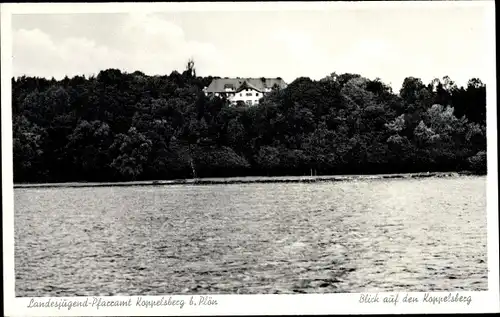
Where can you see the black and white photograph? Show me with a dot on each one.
(157, 152)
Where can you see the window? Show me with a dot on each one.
(249, 94)
(256, 94)
(241, 95)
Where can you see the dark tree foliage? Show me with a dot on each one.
(119, 126)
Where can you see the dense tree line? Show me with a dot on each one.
(129, 126)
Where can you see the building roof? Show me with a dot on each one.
(247, 85)
(259, 84)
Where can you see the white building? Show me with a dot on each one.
(246, 90)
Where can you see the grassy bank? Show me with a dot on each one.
(246, 180)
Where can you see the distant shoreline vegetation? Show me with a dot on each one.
(118, 127)
(248, 180)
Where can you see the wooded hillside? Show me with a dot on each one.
(118, 126)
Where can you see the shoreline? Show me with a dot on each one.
(246, 180)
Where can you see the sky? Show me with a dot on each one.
(387, 43)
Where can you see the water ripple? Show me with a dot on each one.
(374, 235)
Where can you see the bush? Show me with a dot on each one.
(477, 163)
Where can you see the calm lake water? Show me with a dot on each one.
(361, 236)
